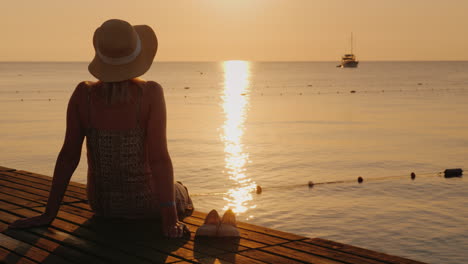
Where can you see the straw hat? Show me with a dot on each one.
(123, 51)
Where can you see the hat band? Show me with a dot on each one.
(121, 60)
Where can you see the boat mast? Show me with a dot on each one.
(351, 42)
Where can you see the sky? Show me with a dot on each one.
(255, 30)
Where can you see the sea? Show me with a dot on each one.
(283, 144)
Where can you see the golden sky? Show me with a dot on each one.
(258, 30)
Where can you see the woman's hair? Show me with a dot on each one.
(116, 92)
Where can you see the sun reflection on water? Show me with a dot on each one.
(235, 103)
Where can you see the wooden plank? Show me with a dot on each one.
(360, 251)
(22, 194)
(70, 208)
(239, 245)
(9, 257)
(31, 190)
(229, 258)
(6, 169)
(302, 256)
(329, 253)
(238, 259)
(214, 248)
(9, 206)
(233, 245)
(19, 179)
(45, 177)
(269, 231)
(82, 205)
(268, 257)
(44, 180)
(18, 201)
(29, 251)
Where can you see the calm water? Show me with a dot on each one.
(235, 125)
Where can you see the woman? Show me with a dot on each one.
(124, 121)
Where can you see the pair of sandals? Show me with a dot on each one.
(215, 226)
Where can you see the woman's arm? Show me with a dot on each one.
(160, 162)
(66, 163)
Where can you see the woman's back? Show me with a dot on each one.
(119, 177)
(119, 115)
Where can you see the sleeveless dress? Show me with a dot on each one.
(118, 185)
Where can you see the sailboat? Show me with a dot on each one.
(349, 60)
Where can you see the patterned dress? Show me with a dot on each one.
(117, 183)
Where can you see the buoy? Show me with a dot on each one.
(259, 189)
(311, 184)
(450, 173)
(360, 179)
(353, 91)
(413, 175)
(186, 87)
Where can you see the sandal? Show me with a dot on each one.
(228, 226)
(210, 227)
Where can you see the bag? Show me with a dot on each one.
(183, 201)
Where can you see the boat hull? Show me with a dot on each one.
(349, 64)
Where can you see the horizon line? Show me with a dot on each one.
(205, 61)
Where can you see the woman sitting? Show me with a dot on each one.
(130, 172)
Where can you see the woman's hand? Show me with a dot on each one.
(39, 220)
(176, 230)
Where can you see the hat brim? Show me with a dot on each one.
(139, 66)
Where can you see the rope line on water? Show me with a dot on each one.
(258, 189)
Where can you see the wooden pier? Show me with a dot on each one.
(76, 237)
